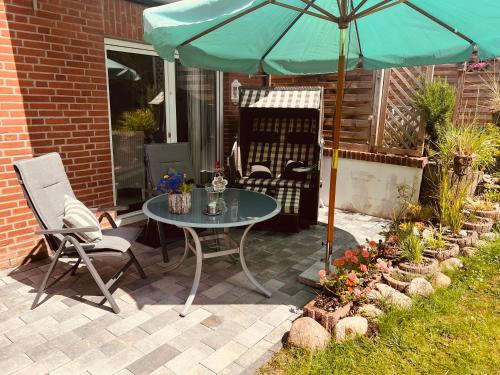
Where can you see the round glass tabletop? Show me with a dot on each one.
(239, 207)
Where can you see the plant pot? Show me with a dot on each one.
(490, 214)
(462, 164)
(327, 319)
(394, 282)
(179, 203)
(428, 267)
(469, 239)
(450, 250)
(483, 225)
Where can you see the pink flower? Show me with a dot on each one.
(355, 252)
(339, 262)
(367, 290)
(365, 254)
(355, 260)
(357, 292)
(352, 276)
(348, 254)
(322, 273)
(363, 268)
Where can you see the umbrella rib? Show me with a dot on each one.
(321, 10)
(300, 10)
(439, 22)
(354, 10)
(229, 20)
(310, 3)
(357, 33)
(377, 8)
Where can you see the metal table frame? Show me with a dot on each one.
(193, 243)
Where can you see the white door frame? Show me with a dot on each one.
(170, 100)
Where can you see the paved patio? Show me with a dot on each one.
(231, 329)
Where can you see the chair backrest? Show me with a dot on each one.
(164, 157)
(45, 183)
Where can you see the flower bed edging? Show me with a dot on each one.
(483, 226)
(451, 250)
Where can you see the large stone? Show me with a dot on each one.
(468, 251)
(490, 236)
(308, 334)
(450, 264)
(370, 311)
(392, 297)
(440, 280)
(350, 327)
(481, 243)
(420, 287)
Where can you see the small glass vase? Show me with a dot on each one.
(179, 203)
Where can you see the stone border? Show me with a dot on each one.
(451, 250)
(484, 226)
(325, 318)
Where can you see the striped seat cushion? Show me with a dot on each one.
(258, 189)
(273, 182)
(289, 199)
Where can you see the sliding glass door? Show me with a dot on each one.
(153, 101)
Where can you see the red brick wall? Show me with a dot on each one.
(53, 97)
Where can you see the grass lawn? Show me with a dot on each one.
(456, 331)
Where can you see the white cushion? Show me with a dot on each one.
(77, 215)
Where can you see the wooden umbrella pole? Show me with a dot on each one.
(336, 143)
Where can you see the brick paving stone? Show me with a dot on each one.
(158, 322)
(39, 352)
(160, 337)
(277, 316)
(152, 361)
(254, 353)
(276, 335)
(224, 356)
(190, 337)
(189, 358)
(96, 340)
(45, 365)
(200, 370)
(14, 363)
(253, 334)
(232, 369)
(80, 364)
(224, 333)
(16, 334)
(126, 324)
(110, 365)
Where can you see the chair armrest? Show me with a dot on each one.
(109, 208)
(66, 230)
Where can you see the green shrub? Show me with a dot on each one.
(452, 201)
(435, 102)
(141, 119)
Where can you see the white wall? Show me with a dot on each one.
(368, 187)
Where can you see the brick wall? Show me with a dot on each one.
(53, 97)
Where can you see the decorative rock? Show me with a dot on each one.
(440, 280)
(468, 251)
(350, 327)
(450, 264)
(481, 243)
(393, 297)
(420, 287)
(308, 334)
(370, 311)
(490, 236)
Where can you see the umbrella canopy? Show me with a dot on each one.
(323, 36)
(303, 37)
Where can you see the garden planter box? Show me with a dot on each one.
(483, 225)
(326, 318)
(396, 283)
(463, 241)
(451, 250)
(428, 267)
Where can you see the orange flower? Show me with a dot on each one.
(363, 268)
(348, 254)
(350, 290)
(322, 273)
(355, 260)
(355, 252)
(352, 276)
(365, 254)
(372, 244)
(339, 262)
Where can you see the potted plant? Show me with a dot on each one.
(486, 206)
(412, 251)
(178, 189)
(348, 284)
(436, 246)
(477, 223)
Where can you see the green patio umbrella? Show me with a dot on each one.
(323, 36)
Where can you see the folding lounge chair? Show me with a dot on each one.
(45, 184)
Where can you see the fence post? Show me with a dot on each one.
(378, 87)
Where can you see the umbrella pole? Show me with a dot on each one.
(335, 145)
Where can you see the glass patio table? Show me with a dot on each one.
(240, 208)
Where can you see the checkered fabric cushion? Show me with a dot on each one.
(289, 199)
(278, 153)
(273, 182)
(258, 189)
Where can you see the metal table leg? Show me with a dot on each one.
(197, 275)
(186, 248)
(244, 264)
(163, 241)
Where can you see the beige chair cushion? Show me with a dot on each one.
(77, 215)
